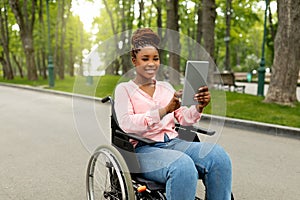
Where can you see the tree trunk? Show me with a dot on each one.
(61, 66)
(227, 37)
(56, 53)
(42, 38)
(158, 6)
(4, 42)
(18, 65)
(141, 11)
(29, 55)
(173, 41)
(115, 65)
(71, 66)
(208, 22)
(38, 63)
(81, 35)
(126, 35)
(159, 24)
(286, 64)
(208, 27)
(3, 63)
(26, 23)
(199, 23)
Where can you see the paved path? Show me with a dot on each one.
(251, 88)
(44, 151)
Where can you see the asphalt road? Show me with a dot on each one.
(46, 142)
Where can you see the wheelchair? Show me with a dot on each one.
(113, 170)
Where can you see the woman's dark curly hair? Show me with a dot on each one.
(143, 37)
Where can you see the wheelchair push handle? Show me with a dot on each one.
(106, 99)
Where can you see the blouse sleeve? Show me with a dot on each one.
(187, 116)
(128, 120)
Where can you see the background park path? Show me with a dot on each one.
(251, 88)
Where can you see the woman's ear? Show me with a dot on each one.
(133, 60)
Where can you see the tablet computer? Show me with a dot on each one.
(195, 77)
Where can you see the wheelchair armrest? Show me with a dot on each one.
(194, 129)
(136, 137)
(204, 131)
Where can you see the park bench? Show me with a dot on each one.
(226, 81)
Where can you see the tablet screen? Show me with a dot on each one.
(195, 77)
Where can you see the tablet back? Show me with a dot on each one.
(195, 77)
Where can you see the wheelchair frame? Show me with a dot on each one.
(119, 162)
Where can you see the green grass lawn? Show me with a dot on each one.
(241, 106)
(250, 107)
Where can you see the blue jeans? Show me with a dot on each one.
(179, 164)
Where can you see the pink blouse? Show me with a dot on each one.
(138, 113)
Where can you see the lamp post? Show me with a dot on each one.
(50, 61)
(262, 70)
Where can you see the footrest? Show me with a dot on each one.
(151, 185)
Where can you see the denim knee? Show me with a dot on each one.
(219, 175)
(222, 159)
(184, 167)
(182, 172)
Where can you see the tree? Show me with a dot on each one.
(227, 37)
(199, 22)
(63, 17)
(127, 19)
(41, 42)
(141, 12)
(191, 27)
(158, 6)
(4, 42)
(74, 36)
(286, 63)
(173, 40)
(208, 27)
(25, 19)
(208, 22)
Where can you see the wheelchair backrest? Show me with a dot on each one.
(122, 143)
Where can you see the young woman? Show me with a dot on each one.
(148, 107)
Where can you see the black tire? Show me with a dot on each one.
(108, 176)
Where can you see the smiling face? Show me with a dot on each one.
(147, 64)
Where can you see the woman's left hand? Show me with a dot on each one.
(203, 98)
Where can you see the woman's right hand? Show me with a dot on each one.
(174, 104)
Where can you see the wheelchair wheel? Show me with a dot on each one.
(157, 195)
(108, 176)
